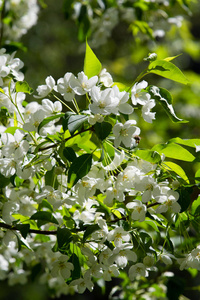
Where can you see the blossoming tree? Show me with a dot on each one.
(81, 202)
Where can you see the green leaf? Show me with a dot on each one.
(22, 244)
(102, 130)
(171, 57)
(4, 181)
(65, 119)
(92, 65)
(184, 198)
(12, 130)
(148, 155)
(75, 121)
(23, 86)
(83, 23)
(64, 237)
(175, 151)
(79, 168)
(2, 91)
(89, 230)
(141, 26)
(168, 70)
(177, 169)
(152, 224)
(121, 86)
(44, 216)
(50, 177)
(195, 206)
(67, 8)
(49, 119)
(197, 176)
(76, 272)
(165, 99)
(23, 228)
(69, 153)
(186, 142)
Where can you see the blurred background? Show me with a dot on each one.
(53, 48)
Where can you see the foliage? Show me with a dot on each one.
(81, 202)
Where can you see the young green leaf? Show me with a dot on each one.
(168, 70)
(177, 169)
(23, 86)
(175, 151)
(92, 65)
(148, 155)
(79, 168)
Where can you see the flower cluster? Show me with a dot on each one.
(75, 178)
(19, 16)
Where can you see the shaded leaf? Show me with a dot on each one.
(44, 216)
(75, 121)
(23, 228)
(49, 119)
(89, 230)
(79, 168)
(64, 237)
(69, 153)
(102, 130)
(184, 198)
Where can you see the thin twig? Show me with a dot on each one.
(57, 144)
(37, 231)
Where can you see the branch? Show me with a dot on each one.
(37, 231)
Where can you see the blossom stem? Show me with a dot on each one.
(139, 77)
(63, 103)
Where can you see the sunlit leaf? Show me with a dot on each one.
(172, 150)
(168, 70)
(23, 86)
(177, 169)
(92, 65)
